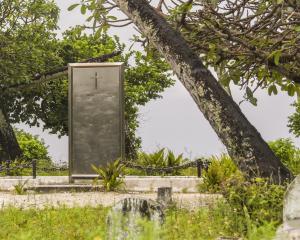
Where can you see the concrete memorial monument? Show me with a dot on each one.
(96, 118)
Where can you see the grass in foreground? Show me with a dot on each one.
(62, 223)
(90, 223)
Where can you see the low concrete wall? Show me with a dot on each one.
(8, 183)
(132, 183)
(151, 184)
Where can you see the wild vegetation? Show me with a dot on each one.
(63, 223)
(90, 223)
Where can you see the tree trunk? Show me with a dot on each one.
(244, 143)
(9, 147)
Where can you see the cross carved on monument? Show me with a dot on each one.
(95, 78)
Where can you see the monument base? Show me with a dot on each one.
(180, 184)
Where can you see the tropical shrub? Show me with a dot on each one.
(288, 153)
(111, 175)
(33, 148)
(155, 159)
(220, 170)
(160, 159)
(20, 188)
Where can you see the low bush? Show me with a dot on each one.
(32, 147)
(288, 153)
(220, 170)
(256, 200)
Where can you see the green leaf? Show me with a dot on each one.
(73, 6)
(83, 9)
(277, 56)
(272, 89)
(279, 1)
(253, 101)
(225, 81)
(297, 28)
(94, 168)
(112, 18)
(291, 90)
(249, 92)
(90, 18)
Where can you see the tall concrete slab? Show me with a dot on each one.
(96, 116)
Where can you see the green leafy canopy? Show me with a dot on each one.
(145, 78)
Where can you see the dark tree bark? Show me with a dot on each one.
(9, 147)
(244, 143)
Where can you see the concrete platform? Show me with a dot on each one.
(56, 188)
(131, 183)
(190, 201)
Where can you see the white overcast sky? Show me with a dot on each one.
(174, 121)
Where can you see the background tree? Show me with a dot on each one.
(289, 154)
(47, 103)
(294, 120)
(26, 48)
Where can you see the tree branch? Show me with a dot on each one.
(57, 74)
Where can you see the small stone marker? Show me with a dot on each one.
(125, 220)
(164, 195)
(290, 229)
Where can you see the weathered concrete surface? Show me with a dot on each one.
(132, 183)
(95, 115)
(290, 229)
(150, 184)
(189, 200)
(56, 188)
(8, 183)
